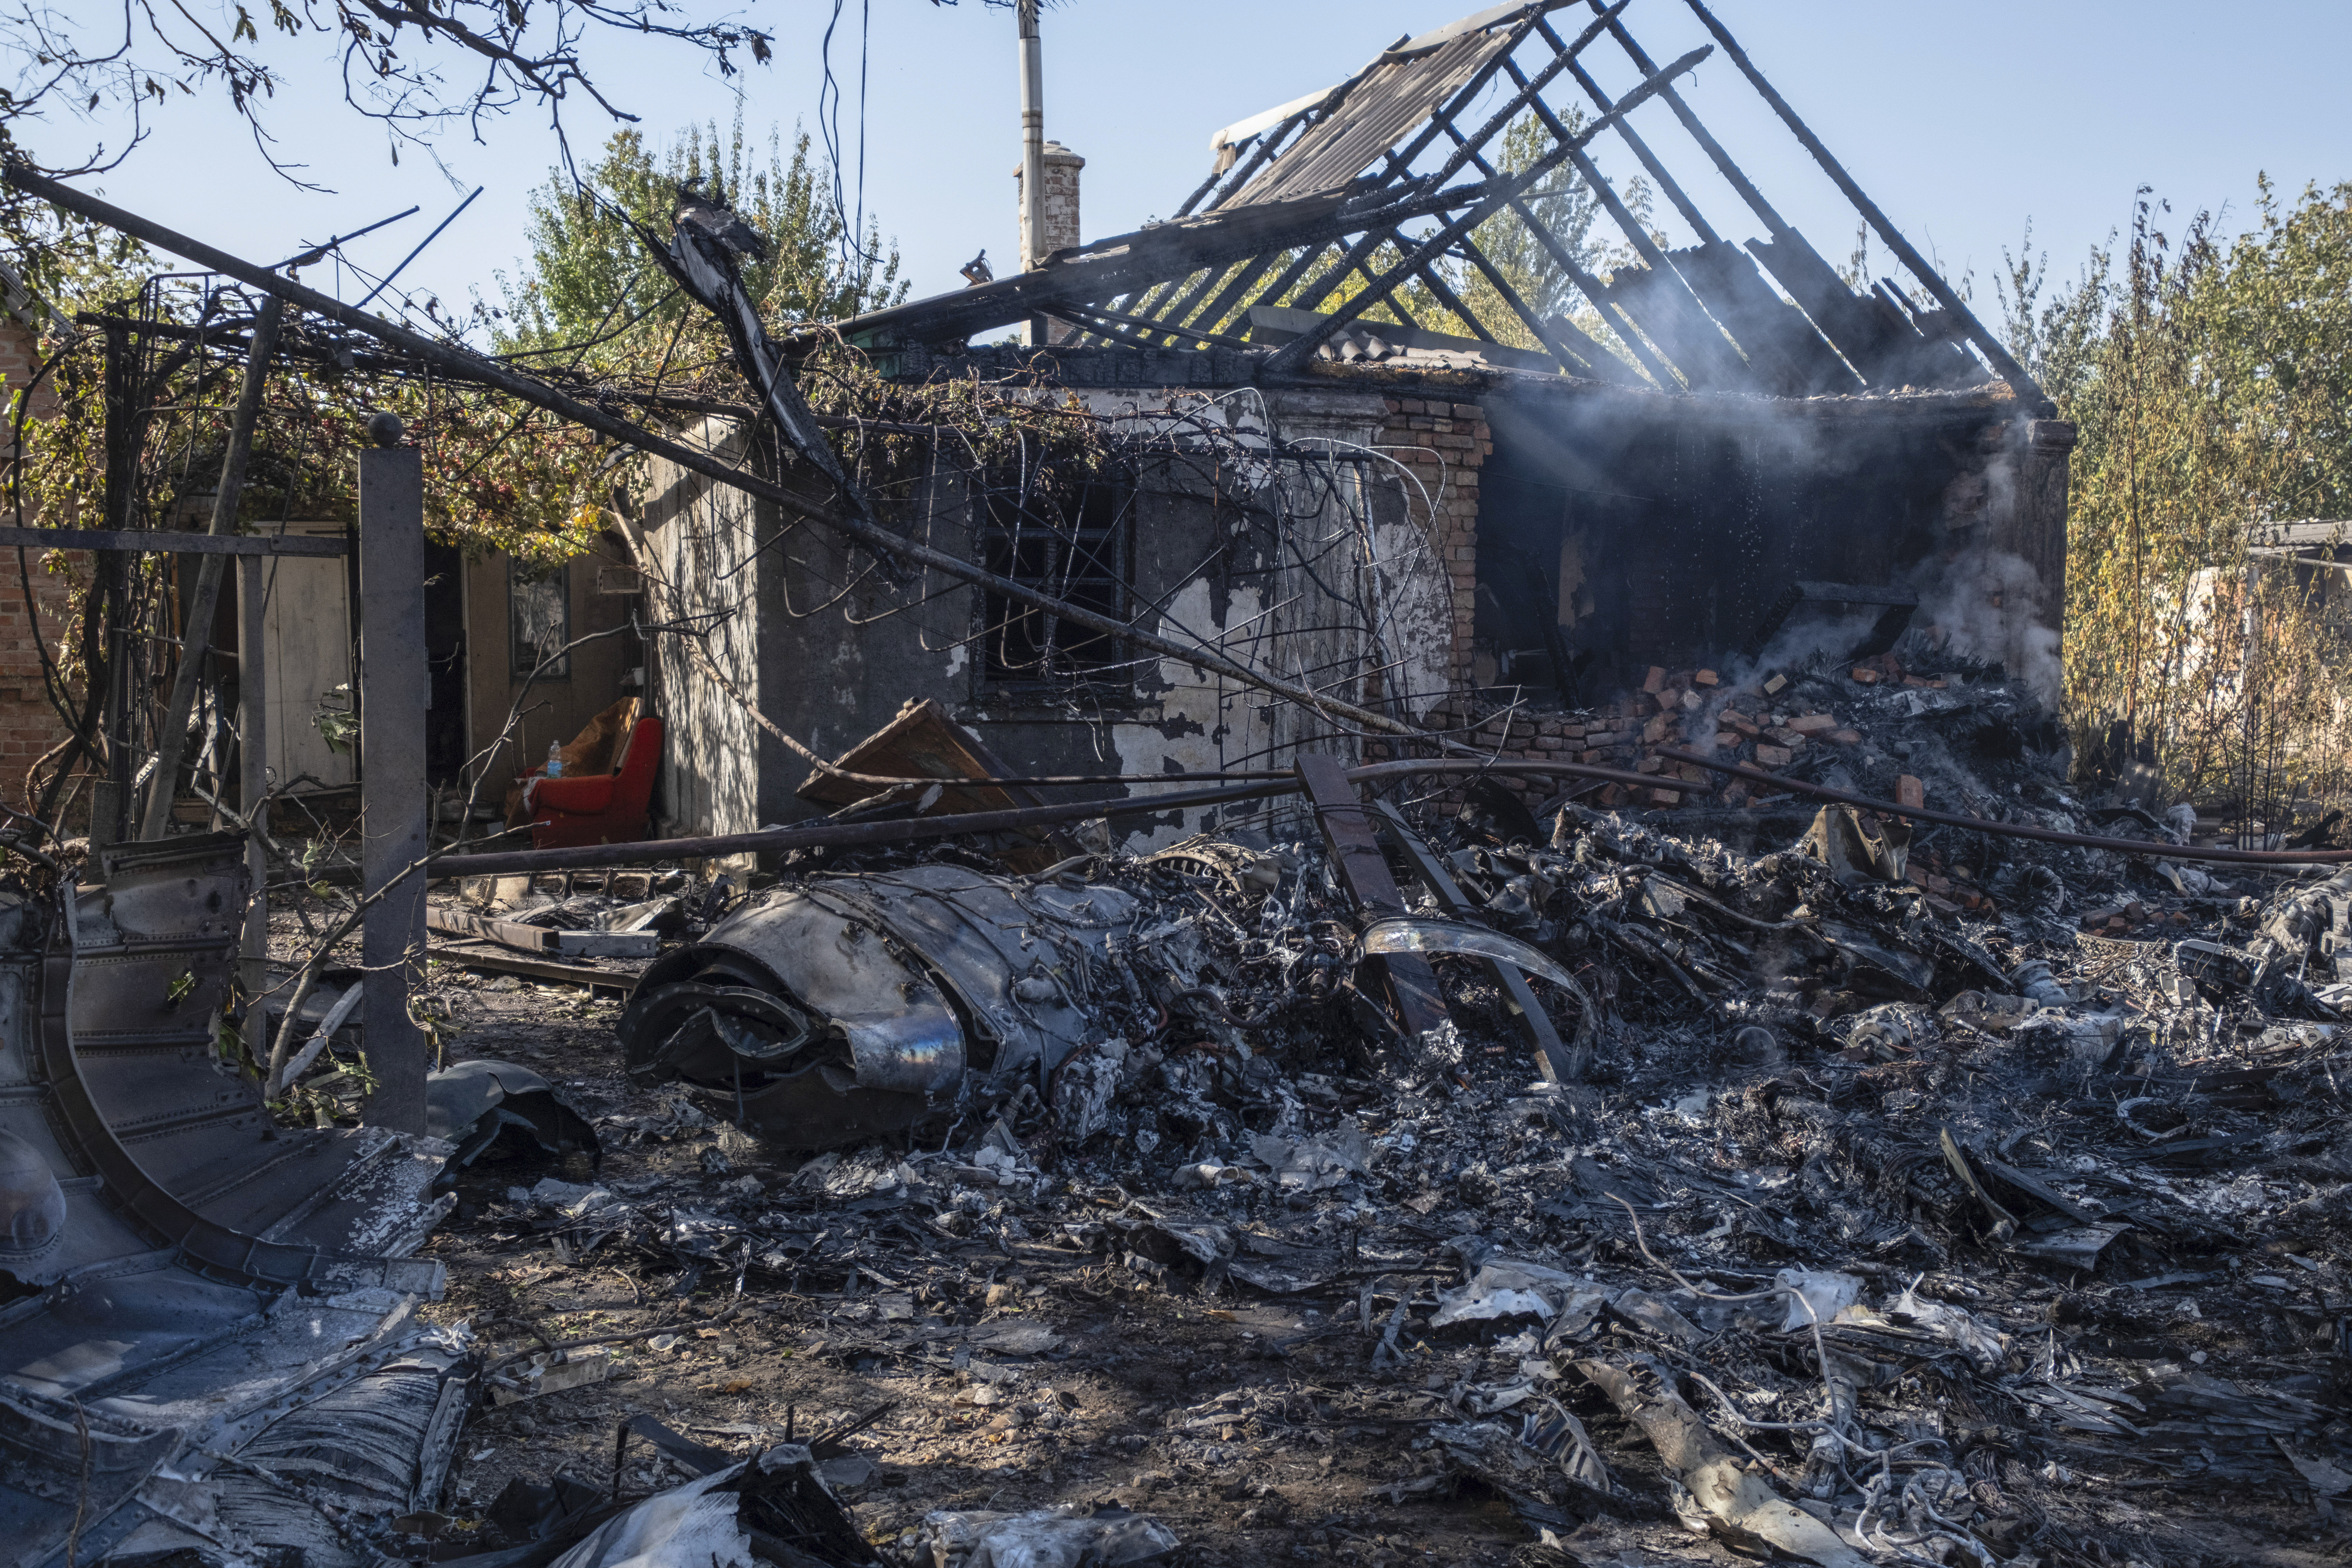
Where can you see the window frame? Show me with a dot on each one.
(999, 540)
(522, 655)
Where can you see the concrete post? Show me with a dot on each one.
(392, 800)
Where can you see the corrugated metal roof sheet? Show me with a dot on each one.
(1386, 102)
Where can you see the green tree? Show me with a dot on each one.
(2057, 339)
(2207, 381)
(589, 281)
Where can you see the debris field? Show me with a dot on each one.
(1867, 1222)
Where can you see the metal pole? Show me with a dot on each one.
(196, 636)
(253, 769)
(393, 801)
(1032, 139)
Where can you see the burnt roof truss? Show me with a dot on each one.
(1379, 197)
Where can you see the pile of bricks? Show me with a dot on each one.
(1692, 710)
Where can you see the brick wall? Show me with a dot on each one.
(29, 726)
(1443, 444)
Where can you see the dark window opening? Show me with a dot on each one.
(1071, 538)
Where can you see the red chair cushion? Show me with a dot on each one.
(601, 809)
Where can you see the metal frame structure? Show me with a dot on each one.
(1344, 201)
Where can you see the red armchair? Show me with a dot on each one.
(598, 809)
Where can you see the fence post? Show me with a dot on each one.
(393, 799)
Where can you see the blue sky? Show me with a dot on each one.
(1962, 120)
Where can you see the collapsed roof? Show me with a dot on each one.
(1397, 183)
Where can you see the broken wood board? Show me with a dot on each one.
(496, 960)
(923, 742)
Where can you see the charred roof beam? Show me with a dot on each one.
(1604, 365)
(1498, 195)
(1996, 354)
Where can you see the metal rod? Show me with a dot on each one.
(839, 836)
(412, 255)
(252, 782)
(1033, 138)
(320, 252)
(165, 542)
(197, 634)
(1998, 356)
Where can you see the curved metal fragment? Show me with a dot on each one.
(1405, 934)
(154, 1335)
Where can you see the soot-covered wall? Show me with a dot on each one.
(1618, 531)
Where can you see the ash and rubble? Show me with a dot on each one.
(1878, 1223)
(1908, 1195)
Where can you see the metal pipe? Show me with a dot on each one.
(838, 836)
(196, 633)
(1032, 139)
(253, 776)
(2016, 829)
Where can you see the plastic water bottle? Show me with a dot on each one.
(555, 760)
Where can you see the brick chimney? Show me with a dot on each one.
(1060, 224)
(1061, 215)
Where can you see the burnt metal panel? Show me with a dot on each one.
(853, 1005)
(158, 1319)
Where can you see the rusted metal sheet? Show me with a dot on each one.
(923, 742)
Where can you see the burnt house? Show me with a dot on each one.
(1498, 464)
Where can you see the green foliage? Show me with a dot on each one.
(590, 281)
(71, 262)
(2209, 380)
(2055, 340)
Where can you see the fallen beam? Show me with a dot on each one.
(1556, 1062)
(474, 956)
(543, 939)
(1364, 870)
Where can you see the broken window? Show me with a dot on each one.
(1067, 536)
(538, 618)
